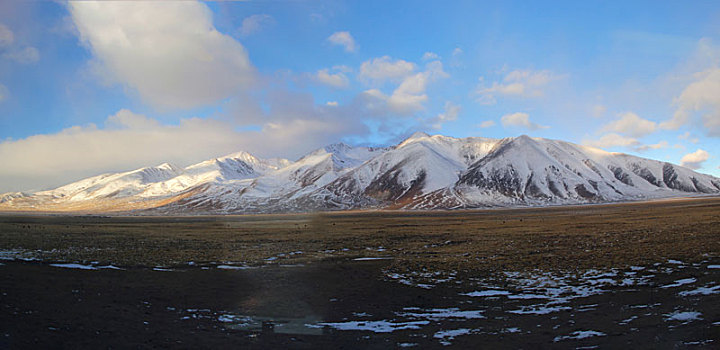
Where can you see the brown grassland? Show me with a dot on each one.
(592, 236)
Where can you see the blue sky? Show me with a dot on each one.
(88, 88)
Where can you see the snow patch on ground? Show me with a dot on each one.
(372, 326)
(422, 279)
(439, 314)
(16, 254)
(701, 291)
(451, 334)
(680, 282)
(580, 335)
(75, 266)
(487, 293)
(232, 267)
(446, 335)
(683, 316)
(538, 310)
(407, 345)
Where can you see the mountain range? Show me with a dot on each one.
(422, 172)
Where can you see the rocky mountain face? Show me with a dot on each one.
(422, 172)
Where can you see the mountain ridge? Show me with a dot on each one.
(421, 172)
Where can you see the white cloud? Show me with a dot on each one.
(687, 136)
(450, 113)
(409, 97)
(6, 36)
(457, 51)
(430, 56)
(381, 69)
(127, 141)
(25, 55)
(343, 39)
(612, 140)
(700, 96)
(331, 103)
(519, 83)
(125, 119)
(659, 145)
(338, 80)
(631, 124)
(616, 140)
(521, 120)
(254, 23)
(486, 124)
(694, 160)
(169, 52)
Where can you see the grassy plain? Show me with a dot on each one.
(592, 236)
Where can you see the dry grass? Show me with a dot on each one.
(480, 240)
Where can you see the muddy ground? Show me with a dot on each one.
(644, 275)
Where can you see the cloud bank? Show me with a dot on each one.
(701, 96)
(518, 83)
(695, 160)
(632, 125)
(128, 140)
(168, 52)
(520, 120)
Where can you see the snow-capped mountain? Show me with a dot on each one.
(420, 164)
(422, 172)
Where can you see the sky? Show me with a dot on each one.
(94, 87)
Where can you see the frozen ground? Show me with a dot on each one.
(591, 304)
(670, 303)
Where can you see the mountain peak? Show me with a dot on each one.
(423, 172)
(168, 166)
(418, 135)
(238, 155)
(523, 139)
(338, 147)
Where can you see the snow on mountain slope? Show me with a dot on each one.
(422, 172)
(537, 171)
(114, 185)
(229, 168)
(313, 170)
(163, 180)
(10, 196)
(344, 156)
(418, 165)
(279, 190)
